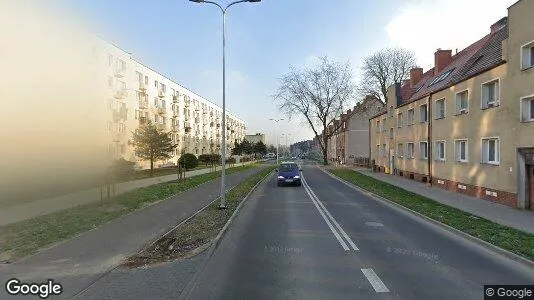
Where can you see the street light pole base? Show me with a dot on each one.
(223, 207)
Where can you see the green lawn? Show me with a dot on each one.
(508, 238)
(26, 237)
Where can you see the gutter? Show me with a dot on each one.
(429, 139)
(369, 157)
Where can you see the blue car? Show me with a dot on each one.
(289, 173)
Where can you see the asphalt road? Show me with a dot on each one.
(325, 240)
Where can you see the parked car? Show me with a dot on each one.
(289, 173)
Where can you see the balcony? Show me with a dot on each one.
(187, 104)
(120, 114)
(142, 86)
(175, 128)
(161, 94)
(162, 110)
(197, 121)
(212, 124)
(118, 72)
(143, 104)
(175, 99)
(143, 120)
(160, 126)
(120, 94)
(187, 129)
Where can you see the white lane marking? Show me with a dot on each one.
(374, 224)
(375, 281)
(336, 234)
(331, 217)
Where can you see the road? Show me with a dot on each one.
(325, 240)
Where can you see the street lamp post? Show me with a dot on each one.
(277, 138)
(223, 152)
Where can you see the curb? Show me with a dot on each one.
(215, 242)
(508, 254)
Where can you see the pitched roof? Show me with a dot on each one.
(480, 56)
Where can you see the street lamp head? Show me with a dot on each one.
(254, 0)
(197, 1)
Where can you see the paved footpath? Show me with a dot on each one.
(46, 206)
(77, 262)
(498, 213)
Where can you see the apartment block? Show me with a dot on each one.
(467, 124)
(254, 138)
(136, 94)
(350, 140)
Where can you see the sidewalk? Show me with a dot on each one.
(78, 262)
(46, 206)
(498, 213)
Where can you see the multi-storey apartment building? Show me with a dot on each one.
(254, 138)
(137, 94)
(467, 124)
(351, 139)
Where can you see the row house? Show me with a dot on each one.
(136, 94)
(467, 124)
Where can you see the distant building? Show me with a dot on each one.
(254, 138)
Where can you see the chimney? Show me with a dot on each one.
(349, 111)
(415, 76)
(441, 59)
(499, 25)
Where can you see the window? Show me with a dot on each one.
(163, 103)
(136, 114)
(378, 126)
(399, 120)
(391, 133)
(527, 109)
(490, 150)
(123, 149)
(162, 87)
(527, 56)
(440, 108)
(139, 76)
(391, 111)
(411, 114)
(460, 150)
(490, 94)
(423, 150)
(384, 146)
(156, 102)
(110, 81)
(423, 113)
(110, 60)
(400, 150)
(384, 124)
(146, 80)
(156, 84)
(156, 118)
(461, 102)
(121, 64)
(441, 77)
(378, 150)
(440, 150)
(409, 150)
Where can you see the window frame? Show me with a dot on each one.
(426, 150)
(400, 122)
(458, 109)
(498, 152)
(497, 102)
(437, 158)
(522, 108)
(400, 154)
(391, 133)
(441, 100)
(408, 154)
(457, 153)
(408, 116)
(529, 45)
(426, 113)
(384, 146)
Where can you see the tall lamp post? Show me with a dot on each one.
(277, 138)
(223, 153)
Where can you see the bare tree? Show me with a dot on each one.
(318, 95)
(384, 68)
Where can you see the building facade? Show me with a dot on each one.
(136, 94)
(467, 125)
(254, 138)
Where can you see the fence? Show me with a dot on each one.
(362, 162)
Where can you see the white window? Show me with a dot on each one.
(440, 150)
(391, 133)
(384, 146)
(490, 150)
(460, 150)
(423, 150)
(110, 60)
(462, 104)
(440, 108)
(156, 102)
(411, 114)
(527, 109)
(139, 76)
(378, 150)
(156, 84)
(527, 56)
(378, 126)
(423, 113)
(400, 150)
(490, 94)
(156, 118)
(146, 80)
(399, 120)
(163, 103)
(409, 150)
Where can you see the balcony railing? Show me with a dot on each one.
(118, 72)
(143, 104)
(187, 103)
(161, 94)
(162, 110)
(161, 126)
(120, 114)
(143, 120)
(175, 98)
(121, 94)
(142, 86)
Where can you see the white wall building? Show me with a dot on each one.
(136, 94)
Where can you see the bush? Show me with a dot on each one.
(209, 158)
(122, 168)
(230, 160)
(189, 161)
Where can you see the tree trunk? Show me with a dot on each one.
(325, 150)
(151, 167)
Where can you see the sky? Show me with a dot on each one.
(183, 41)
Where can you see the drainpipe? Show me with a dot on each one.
(429, 139)
(369, 155)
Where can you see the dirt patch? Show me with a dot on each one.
(112, 208)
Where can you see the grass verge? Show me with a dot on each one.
(199, 231)
(511, 239)
(26, 237)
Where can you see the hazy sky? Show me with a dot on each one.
(182, 40)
